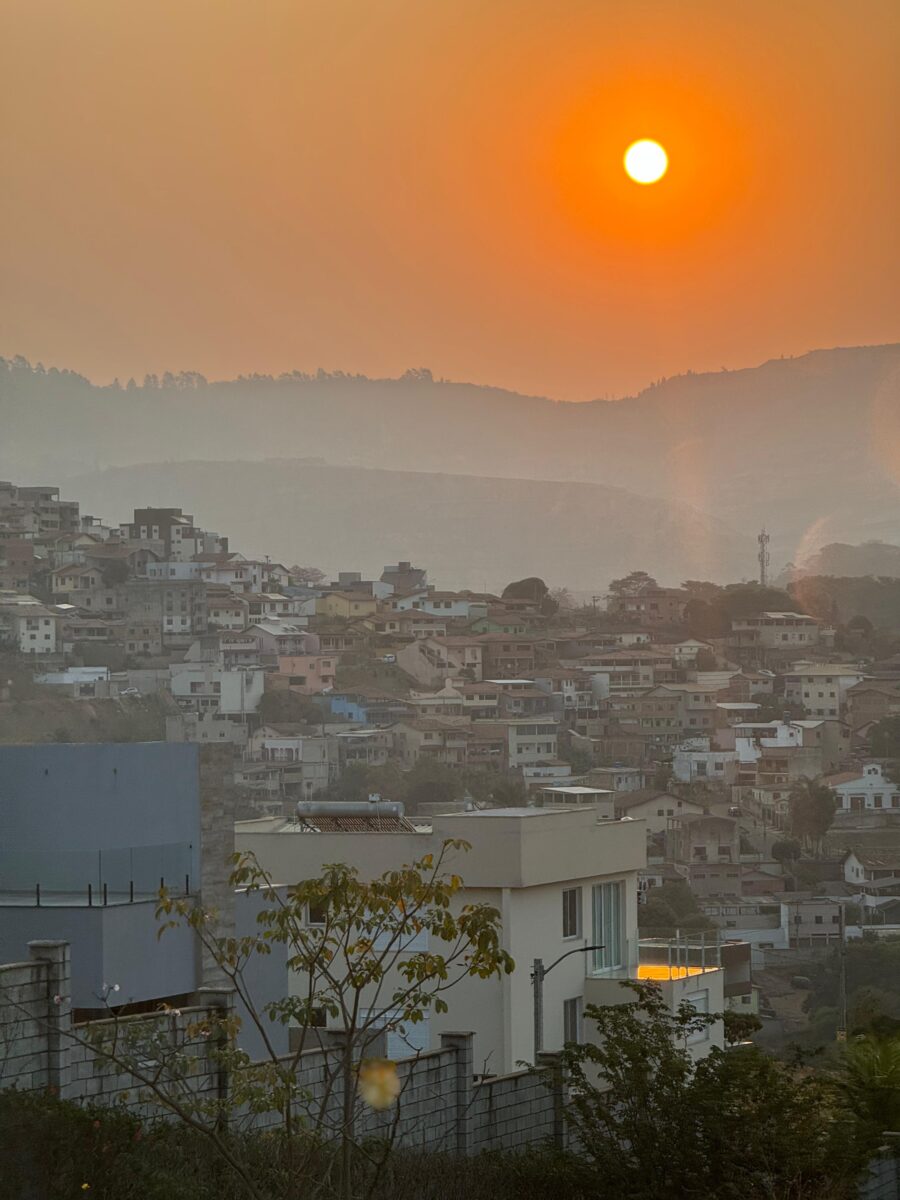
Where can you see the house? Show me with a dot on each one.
(873, 872)
(651, 606)
(507, 657)
(696, 759)
(531, 742)
(17, 563)
(176, 606)
(759, 636)
(306, 674)
(226, 609)
(872, 700)
(618, 778)
(200, 686)
(410, 623)
(821, 688)
(563, 881)
(461, 605)
(27, 625)
(812, 921)
(866, 789)
(708, 848)
(445, 742)
(403, 577)
(283, 639)
(346, 605)
(363, 747)
(654, 807)
(432, 660)
(69, 578)
(366, 706)
(310, 755)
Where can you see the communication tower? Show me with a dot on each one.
(763, 558)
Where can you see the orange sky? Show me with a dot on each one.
(259, 185)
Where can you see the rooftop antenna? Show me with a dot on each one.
(763, 557)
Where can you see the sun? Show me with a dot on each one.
(646, 161)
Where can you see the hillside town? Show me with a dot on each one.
(696, 785)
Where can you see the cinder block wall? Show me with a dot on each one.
(440, 1107)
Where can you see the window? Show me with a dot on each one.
(316, 914)
(608, 925)
(571, 905)
(572, 1010)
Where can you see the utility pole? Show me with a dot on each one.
(538, 974)
(763, 557)
(842, 981)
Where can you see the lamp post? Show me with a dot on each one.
(538, 974)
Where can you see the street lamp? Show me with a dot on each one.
(538, 975)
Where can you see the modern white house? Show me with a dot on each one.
(565, 882)
(204, 686)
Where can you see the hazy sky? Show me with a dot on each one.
(259, 185)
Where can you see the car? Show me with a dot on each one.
(735, 810)
(388, 658)
(129, 691)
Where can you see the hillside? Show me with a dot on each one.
(808, 446)
(877, 559)
(468, 530)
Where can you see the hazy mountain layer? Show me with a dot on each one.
(468, 530)
(808, 446)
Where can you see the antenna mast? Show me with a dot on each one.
(763, 557)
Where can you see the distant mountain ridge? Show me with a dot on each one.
(467, 530)
(809, 446)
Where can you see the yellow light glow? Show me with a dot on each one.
(646, 161)
(660, 973)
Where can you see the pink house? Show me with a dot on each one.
(308, 674)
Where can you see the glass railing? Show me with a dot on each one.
(94, 876)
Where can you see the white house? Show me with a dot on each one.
(858, 791)
(821, 687)
(28, 625)
(205, 686)
(562, 881)
(694, 760)
(873, 872)
(654, 807)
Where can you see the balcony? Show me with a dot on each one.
(694, 968)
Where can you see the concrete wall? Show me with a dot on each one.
(440, 1108)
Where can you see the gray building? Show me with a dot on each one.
(88, 833)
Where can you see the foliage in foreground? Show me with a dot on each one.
(737, 1125)
(50, 1149)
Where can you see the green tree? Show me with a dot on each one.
(812, 807)
(740, 1027)
(632, 584)
(534, 590)
(361, 961)
(786, 851)
(737, 1125)
(670, 907)
(284, 707)
(869, 1077)
(884, 738)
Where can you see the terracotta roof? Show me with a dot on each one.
(841, 777)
